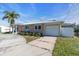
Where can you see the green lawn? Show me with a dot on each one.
(66, 47)
(30, 38)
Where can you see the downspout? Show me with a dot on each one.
(60, 30)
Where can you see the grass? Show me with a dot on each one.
(30, 38)
(66, 46)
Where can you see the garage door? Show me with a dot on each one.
(67, 32)
(52, 30)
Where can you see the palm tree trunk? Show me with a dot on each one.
(16, 29)
(13, 29)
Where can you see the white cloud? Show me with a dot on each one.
(73, 14)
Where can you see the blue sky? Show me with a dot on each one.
(30, 12)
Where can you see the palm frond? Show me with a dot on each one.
(10, 16)
(5, 17)
(15, 15)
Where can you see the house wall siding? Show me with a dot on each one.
(21, 28)
(61, 31)
(32, 28)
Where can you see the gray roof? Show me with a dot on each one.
(68, 25)
(54, 22)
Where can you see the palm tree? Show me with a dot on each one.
(11, 16)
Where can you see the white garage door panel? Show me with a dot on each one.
(67, 32)
(52, 30)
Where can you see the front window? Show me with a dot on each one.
(39, 27)
(35, 27)
(26, 27)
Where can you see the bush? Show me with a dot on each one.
(76, 30)
(31, 33)
(38, 34)
(22, 33)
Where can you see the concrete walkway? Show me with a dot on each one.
(15, 45)
(46, 43)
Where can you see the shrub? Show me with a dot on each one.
(38, 34)
(22, 33)
(31, 33)
(76, 30)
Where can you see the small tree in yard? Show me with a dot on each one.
(11, 16)
(76, 30)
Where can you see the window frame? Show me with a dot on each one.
(37, 27)
(26, 27)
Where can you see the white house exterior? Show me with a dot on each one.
(4, 29)
(51, 28)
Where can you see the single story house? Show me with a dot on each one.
(50, 28)
(4, 29)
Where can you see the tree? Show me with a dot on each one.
(11, 16)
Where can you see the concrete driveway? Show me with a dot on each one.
(47, 43)
(15, 45)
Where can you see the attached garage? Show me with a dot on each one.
(52, 30)
(67, 31)
(59, 30)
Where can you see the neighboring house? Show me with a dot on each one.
(4, 29)
(50, 28)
